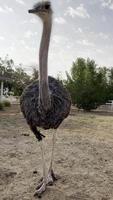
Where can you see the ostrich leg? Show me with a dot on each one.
(42, 186)
(51, 172)
(44, 181)
(51, 177)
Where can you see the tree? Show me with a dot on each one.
(86, 84)
(102, 85)
(6, 70)
(20, 80)
(35, 74)
(71, 87)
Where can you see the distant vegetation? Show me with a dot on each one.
(19, 79)
(88, 84)
(4, 104)
(1, 106)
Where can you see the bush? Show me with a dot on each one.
(6, 103)
(88, 84)
(1, 106)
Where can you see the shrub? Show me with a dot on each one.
(6, 103)
(1, 106)
(88, 84)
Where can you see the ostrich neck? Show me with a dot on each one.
(44, 95)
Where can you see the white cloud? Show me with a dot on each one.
(103, 36)
(68, 1)
(2, 38)
(24, 22)
(57, 39)
(6, 9)
(60, 20)
(9, 9)
(99, 51)
(29, 48)
(85, 43)
(20, 2)
(80, 30)
(11, 48)
(100, 35)
(33, 21)
(107, 3)
(29, 34)
(22, 42)
(104, 18)
(80, 11)
(60, 40)
(1, 9)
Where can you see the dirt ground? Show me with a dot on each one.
(83, 158)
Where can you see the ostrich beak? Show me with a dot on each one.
(31, 11)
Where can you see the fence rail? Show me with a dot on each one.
(108, 107)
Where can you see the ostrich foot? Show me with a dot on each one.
(41, 190)
(50, 179)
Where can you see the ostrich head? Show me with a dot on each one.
(42, 9)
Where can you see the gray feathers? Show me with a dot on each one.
(60, 105)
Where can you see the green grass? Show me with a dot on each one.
(6, 103)
(1, 106)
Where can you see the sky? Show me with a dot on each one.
(81, 28)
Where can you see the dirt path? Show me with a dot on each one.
(83, 158)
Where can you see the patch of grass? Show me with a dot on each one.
(1, 106)
(6, 103)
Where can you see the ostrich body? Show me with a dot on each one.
(36, 115)
(45, 103)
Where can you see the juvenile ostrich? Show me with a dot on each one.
(45, 103)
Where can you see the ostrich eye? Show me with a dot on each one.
(47, 7)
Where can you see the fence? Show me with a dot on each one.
(108, 107)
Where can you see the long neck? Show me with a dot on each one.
(44, 95)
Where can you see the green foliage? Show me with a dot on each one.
(6, 103)
(1, 105)
(35, 74)
(6, 69)
(110, 84)
(19, 79)
(87, 84)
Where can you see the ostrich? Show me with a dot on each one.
(45, 103)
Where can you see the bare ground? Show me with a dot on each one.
(83, 158)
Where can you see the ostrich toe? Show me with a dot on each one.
(41, 190)
(54, 176)
(49, 181)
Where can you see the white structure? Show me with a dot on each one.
(2, 87)
(1, 90)
(108, 107)
(4, 92)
